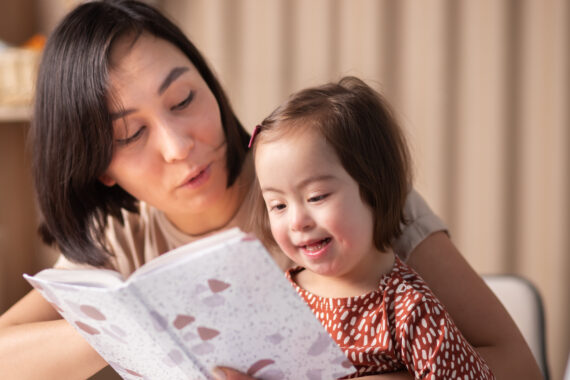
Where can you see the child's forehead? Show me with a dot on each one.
(291, 143)
(307, 144)
(289, 131)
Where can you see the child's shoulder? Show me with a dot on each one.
(408, 288)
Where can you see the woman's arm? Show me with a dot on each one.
(475, 309)
(36, 343)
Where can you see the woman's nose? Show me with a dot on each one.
(176, 142)
(300, 220)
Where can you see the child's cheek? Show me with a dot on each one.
(279, 231)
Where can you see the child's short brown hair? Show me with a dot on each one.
(359, 125)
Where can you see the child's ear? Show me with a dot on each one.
(107, 180)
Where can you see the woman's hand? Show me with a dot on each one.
(474, 308)
(223, 373)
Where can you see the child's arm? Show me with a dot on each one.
(476, 311)
(36, 343)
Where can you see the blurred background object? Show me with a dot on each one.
(482, 87)
(18, 66)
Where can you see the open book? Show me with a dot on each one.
(220, 301)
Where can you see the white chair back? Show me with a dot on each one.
(524, 303)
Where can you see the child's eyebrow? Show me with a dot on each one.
(316, 178)
(304, 183)
(270, 189)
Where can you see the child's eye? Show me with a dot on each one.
(277, 207)
(132, 138)
(318, 198)
(183, 104)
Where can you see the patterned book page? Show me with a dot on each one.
(231, 305)
(227, 304)
(117, 325)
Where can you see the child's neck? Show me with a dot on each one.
(362, 280)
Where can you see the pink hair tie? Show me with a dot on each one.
(254, 133)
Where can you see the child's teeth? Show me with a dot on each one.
(316, 246)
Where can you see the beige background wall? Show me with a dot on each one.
(482, 88)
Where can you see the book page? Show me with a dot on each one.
(198, 247)
(97, 278)
(119, 328)
(221, 301)
(231, 305)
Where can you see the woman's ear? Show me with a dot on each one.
(107, 180)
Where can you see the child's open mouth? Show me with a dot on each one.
(316, 247)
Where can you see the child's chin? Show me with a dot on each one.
(322, 270)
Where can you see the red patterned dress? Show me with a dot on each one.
(399, 326)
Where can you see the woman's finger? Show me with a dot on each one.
(223, 373)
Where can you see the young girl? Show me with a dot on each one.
(334, 172)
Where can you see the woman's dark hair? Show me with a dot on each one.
(72, 133)
(359, 125)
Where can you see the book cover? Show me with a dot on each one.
(220, 301)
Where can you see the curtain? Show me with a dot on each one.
(482, 89)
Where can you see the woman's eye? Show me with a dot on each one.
(318, 198)
(132, 138)
(183, 104)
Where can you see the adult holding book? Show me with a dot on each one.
(136, 150)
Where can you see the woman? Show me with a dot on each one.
(137, 151)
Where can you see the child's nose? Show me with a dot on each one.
(301, 220)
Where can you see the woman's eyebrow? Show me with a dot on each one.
(120, 114)
(171, 77)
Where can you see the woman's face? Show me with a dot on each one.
(169, 145)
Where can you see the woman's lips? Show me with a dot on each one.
(198, 179)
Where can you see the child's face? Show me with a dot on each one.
(316, 213)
